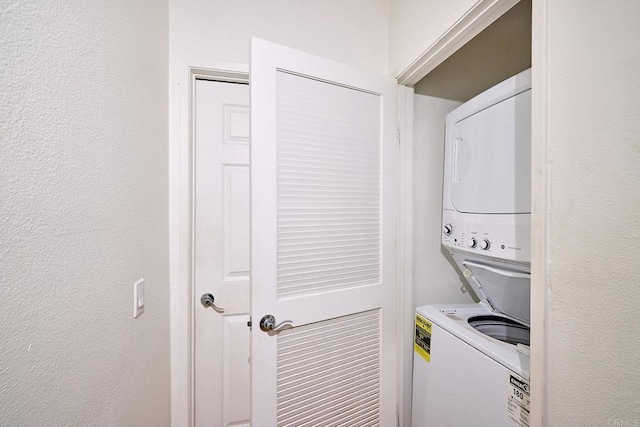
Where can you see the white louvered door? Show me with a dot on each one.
(323, 224)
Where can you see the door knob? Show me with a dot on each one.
(207, 300)
(268, 323)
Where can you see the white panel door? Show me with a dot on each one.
(222, 340)
(323, 243)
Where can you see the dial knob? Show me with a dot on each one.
(448, 229)
(472, 243)
(485, 244)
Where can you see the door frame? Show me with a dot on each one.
(404, 290)
(181, 228)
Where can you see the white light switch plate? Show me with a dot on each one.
(138, 298)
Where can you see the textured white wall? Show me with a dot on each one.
(590, 63)
(415, 25)
(84, 190)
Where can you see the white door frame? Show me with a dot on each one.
(181, 229)
(405, 254)
(540, 218)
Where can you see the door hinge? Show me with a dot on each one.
(398, 136)
(249, 322)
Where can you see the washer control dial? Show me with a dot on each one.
(485, 244)
(448, 229)
(472, 243)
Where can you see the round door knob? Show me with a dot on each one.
(268, 323)
(448, 229)
(472, 243)
(485, 244)
(207, 300)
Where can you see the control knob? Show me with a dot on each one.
(472, 243)
(485, 244)
(448, 229)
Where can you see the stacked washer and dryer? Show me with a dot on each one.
(471, 361)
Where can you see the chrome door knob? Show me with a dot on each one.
(268, 323)
(207, 300)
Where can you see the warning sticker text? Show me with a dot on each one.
(518, 400)
(422, 341)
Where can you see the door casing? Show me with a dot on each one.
(182, 230)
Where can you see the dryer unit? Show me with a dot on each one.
(487, 173)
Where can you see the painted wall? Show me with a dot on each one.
(415, 25)
(83, 120)
(588, 157)
(353, 32)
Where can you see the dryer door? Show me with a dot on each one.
(491, 159)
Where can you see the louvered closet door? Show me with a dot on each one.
(323, 194)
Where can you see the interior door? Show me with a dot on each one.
(323, 244)
(222, 341)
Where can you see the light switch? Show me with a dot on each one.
(138, 298)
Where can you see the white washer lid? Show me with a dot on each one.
(504, 290)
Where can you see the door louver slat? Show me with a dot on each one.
(328, 186)
(328, 373)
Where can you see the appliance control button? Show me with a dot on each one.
(472, 243)
(448, 229)
(485, 244)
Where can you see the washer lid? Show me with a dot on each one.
(505, 291)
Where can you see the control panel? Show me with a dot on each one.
(500, 236)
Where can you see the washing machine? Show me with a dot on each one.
(471, 368)
(471, 361)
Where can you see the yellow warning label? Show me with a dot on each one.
(422, 341)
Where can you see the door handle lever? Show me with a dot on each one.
(207, 300)
(268, 323)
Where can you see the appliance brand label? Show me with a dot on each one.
(422, 341)
(518, 400)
